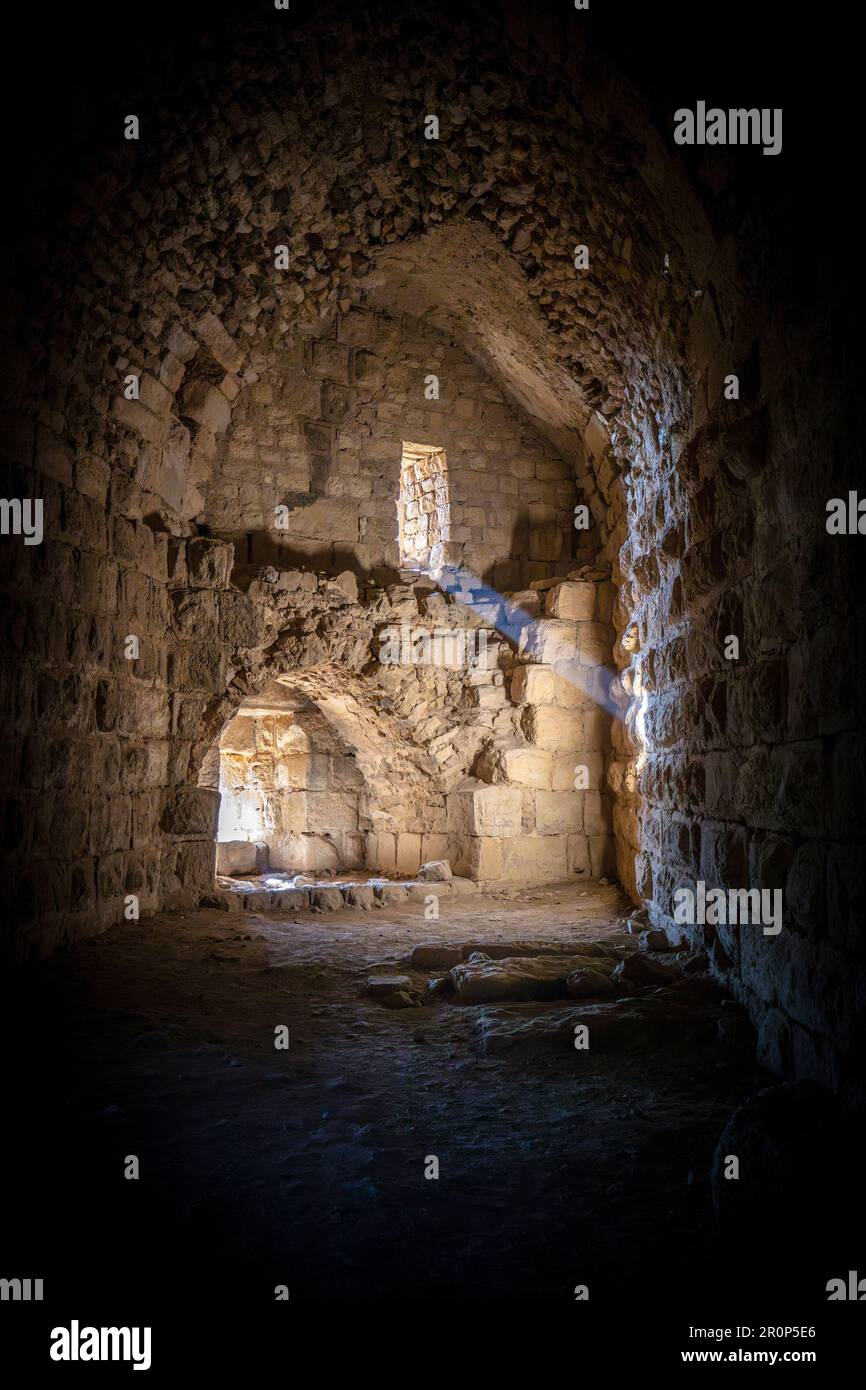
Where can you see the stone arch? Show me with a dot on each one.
(398, 793)
(433, 693)
(352, 706)
(322, 651)
(619, 333)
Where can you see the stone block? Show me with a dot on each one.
(422, 892)
(330, 812)
(133, 415)
(577, 856)
(547, 726)
(595, 644)
(330, 520)
(596, 729)
(326, 899)
(352, 849)
(434, 847)
(550, 641)
(360, 896)
(391, 894)
(408, 852)
(297, 852)
(535, 859)
(209, 562)
(194, 613)
(236, 857)
(479, 858)
(240, 621)
(482, 809)
(602, 855)
(559, 813)
(606, 598)
(330, 360)
(382, 852)
(435, 871)
(436, 956)
(597, 816)
(69, 829)
(291, 900)
(513, 979)
(541, 685)
(155, 395)
(301, 771)
(573, 601)
(290, 812)
(211, 331)
(239, 737)
(191, 811)
(194, 865)
(301, 396)
(110, 825)
(527, 767)
(176, 561)
(344, 586)
(565, 770)
(545, 532)
(207, 405)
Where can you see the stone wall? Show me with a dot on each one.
(538, 809)
(88, 740)
(306, 467)
(750, 754)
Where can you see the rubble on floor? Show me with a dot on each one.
(481, 980)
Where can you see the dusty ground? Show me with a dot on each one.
(306, 1167)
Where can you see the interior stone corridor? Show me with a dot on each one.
(432, 635)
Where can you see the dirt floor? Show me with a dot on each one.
(306, 1167)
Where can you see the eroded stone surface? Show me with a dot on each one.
(482, 981)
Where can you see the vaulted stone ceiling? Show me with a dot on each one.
(460, 278)
(278, 137)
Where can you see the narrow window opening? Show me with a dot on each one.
(423, 507)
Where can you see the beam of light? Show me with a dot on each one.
(520, 628)
(642, 698)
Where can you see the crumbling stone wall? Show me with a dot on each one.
(436, 742)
